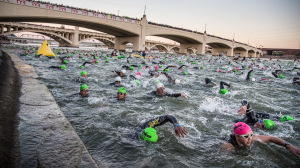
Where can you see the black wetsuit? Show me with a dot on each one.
(87, 63)
(248, 75)
(182, 66)
(296, 80)
(160, 120)
(275, 74)
(128, 67)
(166, 94)
(252, 117)
(222, 85)
(231, 139)
(118, 73)
(58, 67)
(168, 76)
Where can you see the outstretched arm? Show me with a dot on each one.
(278, 141)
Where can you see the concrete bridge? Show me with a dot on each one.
(124, 30)
(65, 36)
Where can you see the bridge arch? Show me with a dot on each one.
(160, 47)
(109, 43)
(60, 39)
(175, 49)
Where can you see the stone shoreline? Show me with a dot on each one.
(51, 141)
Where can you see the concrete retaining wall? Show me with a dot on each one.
(45, 133)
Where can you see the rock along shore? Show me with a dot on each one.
(51, 141)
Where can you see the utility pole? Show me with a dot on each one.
(118, 12)
(145, 11)
(205, 28)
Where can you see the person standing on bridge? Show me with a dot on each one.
(144, 54)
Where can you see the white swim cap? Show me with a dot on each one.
(177, 81)
(253, 79)
(123, 71)
(118, 78)
(159, 85)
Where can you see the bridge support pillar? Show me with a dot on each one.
(120, 43)
(75, 37)
(8, 29)
(230, 52)
(200, 48)
(2, 29)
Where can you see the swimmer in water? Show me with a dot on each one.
(129, 67)
(249, 74)
(223, 90)
(259, 120)
(121, 73)
(276, 74)
(296, 80)
(174, 81)
(117, 82)
(83, 77)
(121, 95)
(209, 82)
(92, 63)
(160, 91)
(148, 133)
(84, 92)
(243, 137)
(58, 67)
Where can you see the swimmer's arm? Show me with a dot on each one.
(278, 141)
(242, 110)
(228, 146)
(177, 95)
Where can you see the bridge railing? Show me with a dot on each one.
(69, 9)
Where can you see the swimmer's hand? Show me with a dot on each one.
(242, 110)
(184, 96)
(180, 132)
(292, 149)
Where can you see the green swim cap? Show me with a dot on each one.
(285, 118)
(250, 74)
(65, 61)
(234, 70)
(185, 73)
(193, 63)
(122, 90)
(83, 58)
(167, 70)
(84, 86)
(129, 62)
(140, 66)
(131, 68)
(281, 76)
(96, 57)
(97, 61)
(149, 134)
(137, 82)
(156, 81)
(160, 66)
(197, 63)
(107, 60)
(82, 66)
(269, 124)
(63, 67)
(223, 91)
(83, 73)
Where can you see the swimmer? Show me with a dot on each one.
(243, 137)
(296, 80)
(148, 133)
(58, 67)
(92, 63)
(276, 73)
(259, 120)
(209, 82)
(121, 93)
(248, 75)
(160, 91)
(121, 73)
(84, 92)
(129, 67)
(117, 82)
(83, 77)
(222, 88)
(174, 81)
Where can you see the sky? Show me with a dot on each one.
(270, 23)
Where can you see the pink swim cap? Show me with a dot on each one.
(180, 69)
(138, 73)
(156, 67)
(144, 67)
(241, 128)
(95, 60)
(263, 68)
(237, 68)
(220, 70)
(265, 79)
